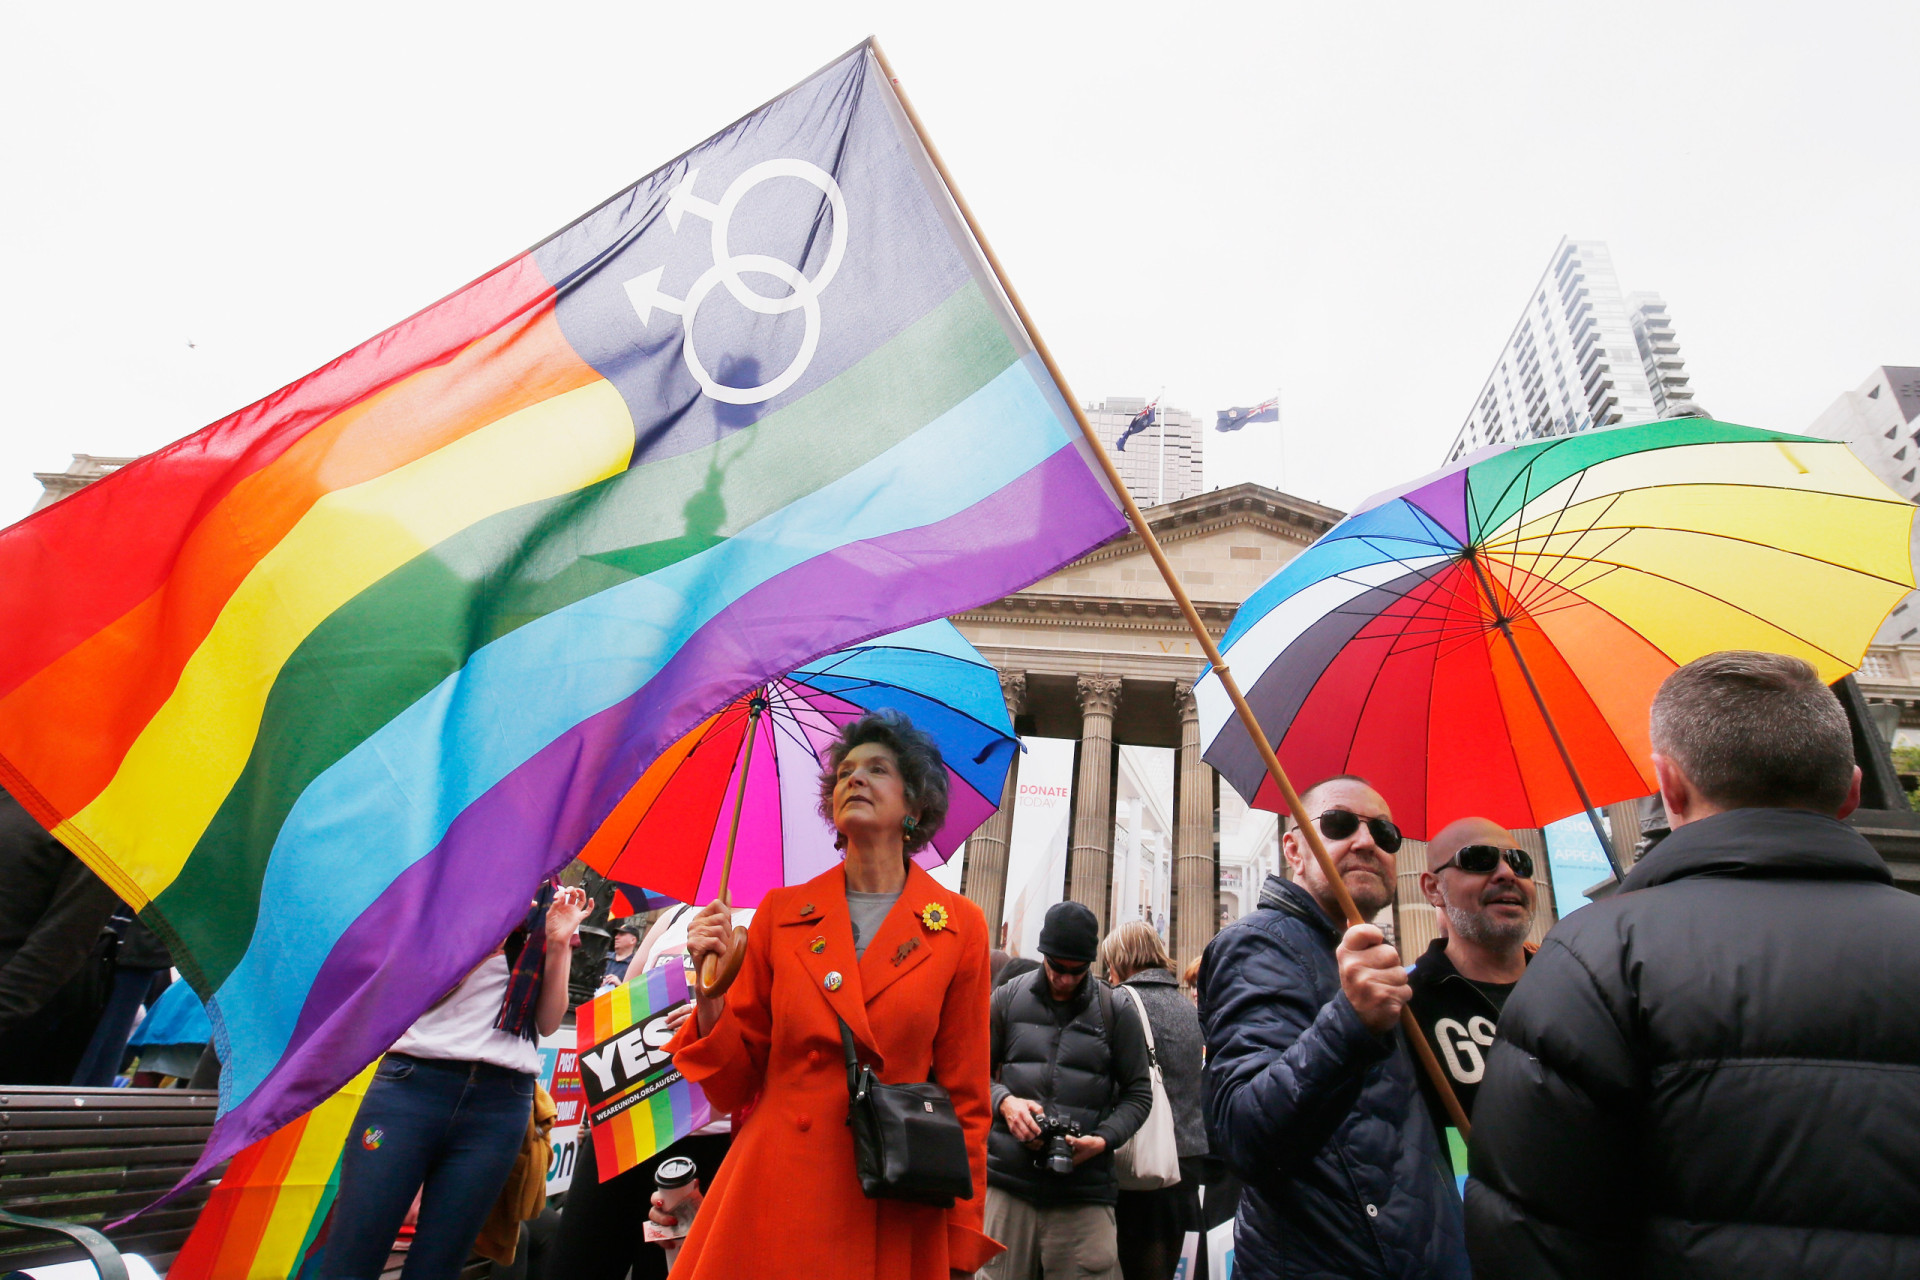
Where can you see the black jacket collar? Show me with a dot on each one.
(1288, 897)
(1434, 967)
(1790, 843)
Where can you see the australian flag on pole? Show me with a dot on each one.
(1234, 419)
(1141, 421)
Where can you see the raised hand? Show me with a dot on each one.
(1373, 978)
(570, 906)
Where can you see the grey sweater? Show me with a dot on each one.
(1180, 1049)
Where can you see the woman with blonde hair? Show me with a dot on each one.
(1154, 1224)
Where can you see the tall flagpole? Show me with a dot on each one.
(1295, 808)
(1160, 420)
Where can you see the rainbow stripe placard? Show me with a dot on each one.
(262, 1219)
(638, 1104)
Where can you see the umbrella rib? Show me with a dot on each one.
(1558, 517)
(1730, 604)
(1544, 580)
(1372, 684)
(1751, 542)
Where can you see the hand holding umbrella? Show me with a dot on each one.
(732, 809)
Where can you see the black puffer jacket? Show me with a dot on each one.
(1320, 1117)
(1057, 1055)
(1715, 1073)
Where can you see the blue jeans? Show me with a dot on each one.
(454, 1127)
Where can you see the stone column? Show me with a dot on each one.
(1092, 854)
(984, 878)
(1197, 915)
(1534, 841)
(1415, 922)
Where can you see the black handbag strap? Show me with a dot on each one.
(853, 1060)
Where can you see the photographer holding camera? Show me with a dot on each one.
(1070, 1085)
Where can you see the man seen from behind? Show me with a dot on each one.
(1716, 1072)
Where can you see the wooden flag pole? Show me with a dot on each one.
(718, 972)
(1301, 818)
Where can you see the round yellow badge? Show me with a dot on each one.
(934, 916)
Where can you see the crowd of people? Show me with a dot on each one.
(1713, 1072)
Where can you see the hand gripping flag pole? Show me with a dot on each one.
(1421, 1048)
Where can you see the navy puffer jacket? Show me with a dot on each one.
(1321, 1118)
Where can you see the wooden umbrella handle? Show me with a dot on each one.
(718, 972)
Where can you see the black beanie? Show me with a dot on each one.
(1070, 933)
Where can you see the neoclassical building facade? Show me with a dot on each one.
(1098, 652)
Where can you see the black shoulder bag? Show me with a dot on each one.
(907, 1140)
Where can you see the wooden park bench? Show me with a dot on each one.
(86, 1157)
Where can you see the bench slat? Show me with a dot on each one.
(73, 1181)
(179, 1155)
(90, 1209)
(17, 1121)
(21, 1097)
(42, 1139)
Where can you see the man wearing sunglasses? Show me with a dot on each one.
(1312, 1095)
(1481, 882)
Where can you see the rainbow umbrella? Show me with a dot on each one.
(1488, 639)
(749, 774)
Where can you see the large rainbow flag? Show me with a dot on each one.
(325, 688)
(267, 1211)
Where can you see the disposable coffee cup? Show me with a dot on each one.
(678, 1181)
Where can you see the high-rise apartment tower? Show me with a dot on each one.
(1151, 477)
(1582, 355)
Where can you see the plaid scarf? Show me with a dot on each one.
(526, 961)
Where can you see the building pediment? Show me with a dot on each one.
(1222, 544)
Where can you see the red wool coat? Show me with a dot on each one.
(787, 1201)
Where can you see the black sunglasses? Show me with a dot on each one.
(1338, 824)
(1064, 970)
(1481, 859)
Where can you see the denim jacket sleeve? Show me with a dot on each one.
(1283, 1067)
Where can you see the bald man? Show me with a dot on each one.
(1480, 881)
(1311, 1092)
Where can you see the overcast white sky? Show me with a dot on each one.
(1350, 202)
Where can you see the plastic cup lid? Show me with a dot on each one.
(675, 1172)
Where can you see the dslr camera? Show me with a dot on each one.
(1056, 1153)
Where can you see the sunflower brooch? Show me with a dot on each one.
(934, 916)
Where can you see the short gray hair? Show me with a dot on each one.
(1756, 731)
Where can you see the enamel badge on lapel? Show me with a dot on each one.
(934, 916)
(833, 980)
(818, 945)
(906, 949)
(807, 910)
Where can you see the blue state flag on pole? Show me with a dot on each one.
(1236, 418)
(1141, 421)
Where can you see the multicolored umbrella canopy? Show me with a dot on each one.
(1613, 556)
(670, 831)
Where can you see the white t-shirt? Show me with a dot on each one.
(460, 1028)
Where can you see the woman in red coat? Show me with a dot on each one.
(879, 943)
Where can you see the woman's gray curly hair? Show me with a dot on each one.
(923, 773)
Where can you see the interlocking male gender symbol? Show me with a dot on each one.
(728, 269)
